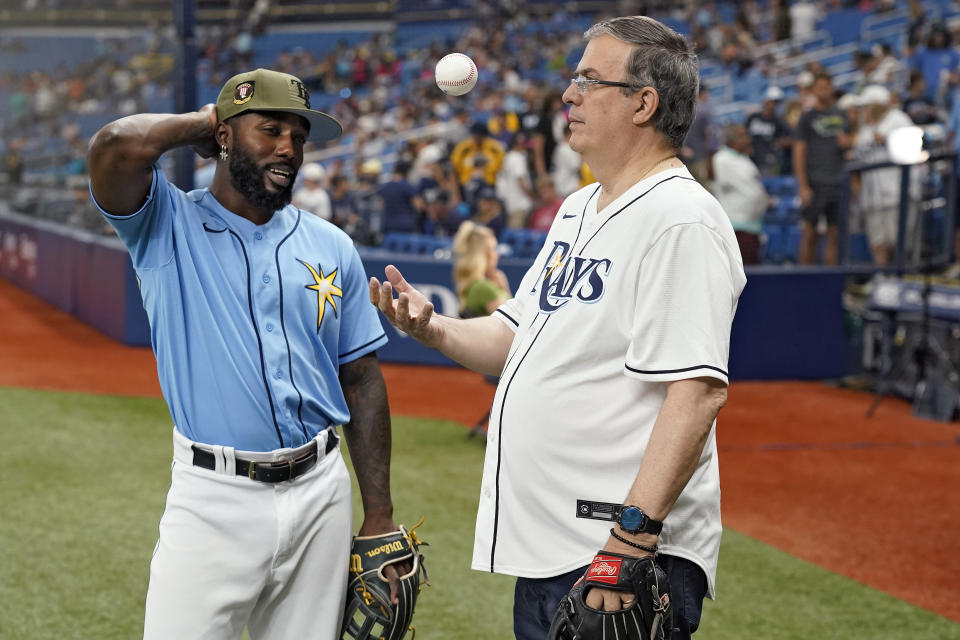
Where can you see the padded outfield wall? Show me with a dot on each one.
(789, 324)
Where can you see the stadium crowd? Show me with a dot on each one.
(413, 160)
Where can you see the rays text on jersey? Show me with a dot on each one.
(563, 279)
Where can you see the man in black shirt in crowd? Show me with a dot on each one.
(822, 136)
(769, 135)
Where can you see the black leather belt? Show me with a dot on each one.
(269, 471)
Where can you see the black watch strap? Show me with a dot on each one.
(632, 519)
(610, 511)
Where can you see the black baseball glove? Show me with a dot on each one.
(369, 614)
(647, 618)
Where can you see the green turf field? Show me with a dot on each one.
(82, 485)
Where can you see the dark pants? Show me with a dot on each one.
(536, 600)
(825, 204)
(749, 246)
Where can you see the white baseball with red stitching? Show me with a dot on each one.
(456, 74)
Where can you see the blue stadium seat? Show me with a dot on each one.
(843, 26)
(708, 70)
(773, 245)
(772, 185)
(837, 59)
(771, 215)
(890, 23)
(529, 243)
(782, 243)
(781, 212)
(423, 245)
(749, 87)
(727, 12)
(414, 243)
(794, 210)
(788, 187)
(788, 210)
(677, 24)
(430, 244)
(399, 242)
(819, 42)
(860, 248)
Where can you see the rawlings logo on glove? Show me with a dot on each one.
(648, 617)
(604, 569)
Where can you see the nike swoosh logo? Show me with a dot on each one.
(568, 215)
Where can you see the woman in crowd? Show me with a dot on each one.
(481, 286)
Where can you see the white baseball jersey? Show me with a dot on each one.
(618, 304)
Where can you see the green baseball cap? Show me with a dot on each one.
(267, 90)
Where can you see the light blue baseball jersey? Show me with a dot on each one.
(249, 323)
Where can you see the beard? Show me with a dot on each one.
(250, 181)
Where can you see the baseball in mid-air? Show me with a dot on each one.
(456, 74)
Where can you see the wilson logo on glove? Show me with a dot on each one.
(369, 614)
(386, 548)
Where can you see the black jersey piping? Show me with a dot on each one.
(621, 209)
(496, 502)
(256, 331)
(283, 328)
(664, 371)
(363, 346)
(583, 216)
(508, 317)
(503, 399)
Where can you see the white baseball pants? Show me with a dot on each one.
(235, 552)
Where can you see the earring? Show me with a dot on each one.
(223, 152)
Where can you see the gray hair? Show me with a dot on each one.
(661, 59)
(730, 132)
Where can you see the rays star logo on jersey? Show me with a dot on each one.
(562, 280)
(327, 292)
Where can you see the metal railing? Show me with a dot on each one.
(942, 166)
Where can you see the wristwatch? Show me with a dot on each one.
(633, 520)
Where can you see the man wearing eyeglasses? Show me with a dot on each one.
(612, 357)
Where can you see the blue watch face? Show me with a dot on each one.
(632, 518)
